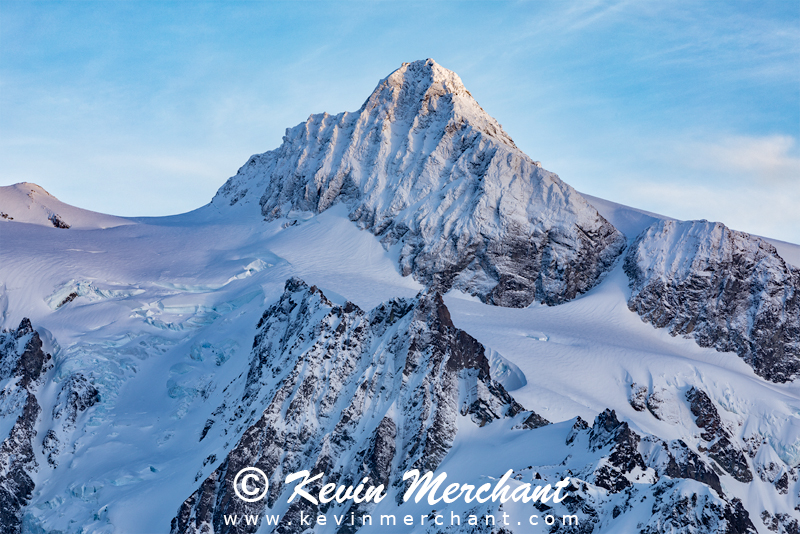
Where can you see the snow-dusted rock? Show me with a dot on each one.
(624, 457)
(423, 167)
(351, 394)
(635, 482)
(638, 397)
(333, 389)
(719, 440)
(22, 362)
(77, 394)
(780, 523)
(725, 288)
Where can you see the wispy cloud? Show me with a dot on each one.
(757, 210)
(751, 183)
(770, 159)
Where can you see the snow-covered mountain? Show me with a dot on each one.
(350, 394)
(725, 288)
(423, 167)
(321, 314)
(29, 203)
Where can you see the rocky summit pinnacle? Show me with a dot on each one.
(425, 86)
(423, 167)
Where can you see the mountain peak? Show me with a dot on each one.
(421, 78)
(425, 90)
(426, 169)
(31, 188)
(27, 202)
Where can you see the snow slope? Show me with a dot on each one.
(30, 203)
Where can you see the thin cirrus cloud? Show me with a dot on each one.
(771, 215)
(749, 183)
(770, 160)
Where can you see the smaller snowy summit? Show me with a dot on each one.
(29, 203)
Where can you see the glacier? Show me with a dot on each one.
(399, 286)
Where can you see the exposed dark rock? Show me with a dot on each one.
(782, 484)
(720, 446)
(206, 428)
(23, 361)
(21, 354)
(51, 447)
(534, 420)
(579, 426)
(57, 221)
(696, 514)
(685, 463)
(69, 298)
(724, 288)
(334, 381)
(780, 523)
(608, 431)
(638, 397)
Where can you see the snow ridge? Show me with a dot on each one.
(30, 203)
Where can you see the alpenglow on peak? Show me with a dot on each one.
(423, 167)
(425, 86)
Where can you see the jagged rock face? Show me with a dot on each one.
(724, 288)
(720, 446)
(685, 463)
(780, 523)
(351, 394)
(626, 474)
(719, 449)
(624, 458)
(677, 506)
(423, 167)
(22, 362)
(21, 354)
(671, 505)
(676, 511)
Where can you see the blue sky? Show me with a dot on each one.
(690, 109)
